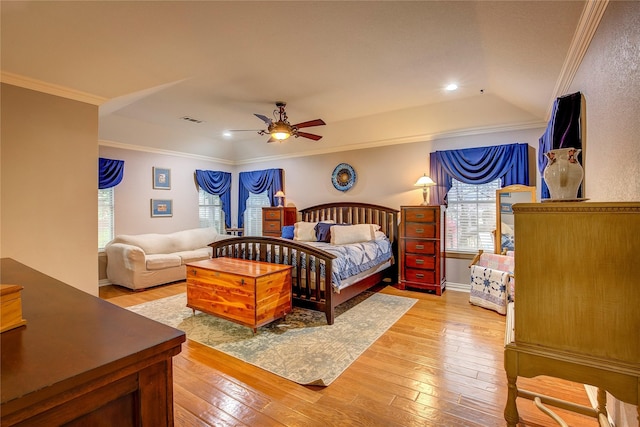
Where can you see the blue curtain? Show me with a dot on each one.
(218, 184)
(563, 131)
(479, 165)
(257, 182)
(110, 172)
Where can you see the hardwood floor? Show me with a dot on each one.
(441, 364)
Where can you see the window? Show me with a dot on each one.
(105, 217)
(471, 216)
(210, 211)
(253, 213)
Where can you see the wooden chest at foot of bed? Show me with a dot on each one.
(250, 293)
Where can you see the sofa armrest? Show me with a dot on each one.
(121, 256)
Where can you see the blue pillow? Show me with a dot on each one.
(287, 231)
(323, 231)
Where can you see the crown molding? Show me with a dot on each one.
(49, 88)
(329, 150)
(587, 26)
(153, 150)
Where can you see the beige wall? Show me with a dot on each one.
(49, 185)
(133, 195)
(609, 78)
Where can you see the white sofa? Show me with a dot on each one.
(144, 260)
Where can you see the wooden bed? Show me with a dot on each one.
(320, 298)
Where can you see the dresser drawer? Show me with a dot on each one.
(420, 261)
(416, 229)
(419, 215)
(271, 227)
(420, 276)
(427, 247)
(272, 214)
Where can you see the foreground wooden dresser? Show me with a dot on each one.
(577, 301)
(251, 293)
(422, 253)
(274, 218)
(82, 361)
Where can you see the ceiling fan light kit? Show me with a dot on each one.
(281, 129)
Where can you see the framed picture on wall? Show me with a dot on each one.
(161, 207)
(161, 178)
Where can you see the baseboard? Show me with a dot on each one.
(104, 282)
(458, 287)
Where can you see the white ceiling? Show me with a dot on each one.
(373, 71)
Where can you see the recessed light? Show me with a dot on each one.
(226, 133)
(451, 86)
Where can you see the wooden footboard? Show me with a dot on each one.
(311, 286)
(304, 258)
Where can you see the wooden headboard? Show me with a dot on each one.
(356, 213)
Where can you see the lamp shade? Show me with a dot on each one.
(424, 181)
(279, 193)
(280, 131)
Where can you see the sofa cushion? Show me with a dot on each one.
(195, 255)
(160, 261)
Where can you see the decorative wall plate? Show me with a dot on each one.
(343, 177)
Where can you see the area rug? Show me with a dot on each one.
(302, 348)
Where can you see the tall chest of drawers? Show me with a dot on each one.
(274, 218)
(422, 253)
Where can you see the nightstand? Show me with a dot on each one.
(422, 251)
(274, 218)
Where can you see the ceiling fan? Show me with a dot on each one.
(281, 129)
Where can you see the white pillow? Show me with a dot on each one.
(305, 231)
(352, 234)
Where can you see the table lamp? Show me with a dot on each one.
(425, 182)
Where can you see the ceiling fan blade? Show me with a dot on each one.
(265, 119)
(309, 135)
(316, 122)
(272, 139)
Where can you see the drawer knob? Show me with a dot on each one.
(419, 261)
(194, 271)
(242, 283)
(419, 215)
(419, 275)
(419, 246)
(419, 230)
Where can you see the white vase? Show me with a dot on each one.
(563, 173)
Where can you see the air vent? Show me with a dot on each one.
(191, 119)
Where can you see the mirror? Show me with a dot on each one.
(505, 198)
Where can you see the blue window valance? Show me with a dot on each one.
(257, 182)
(219, 184)
(480, 165)
(110, 172)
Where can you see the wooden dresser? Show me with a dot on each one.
(422, 254)
(82, 361)
(251, 293)
(577, 301)
(274, 218)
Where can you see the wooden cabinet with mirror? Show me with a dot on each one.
(505, 198)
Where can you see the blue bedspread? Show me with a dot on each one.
(355, 258)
